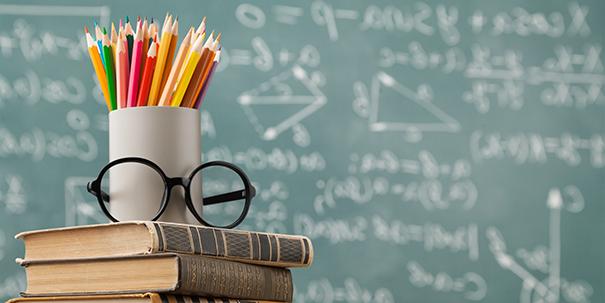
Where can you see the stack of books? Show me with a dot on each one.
(158, 262)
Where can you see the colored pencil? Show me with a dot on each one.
(97, 64)
(110, 70)
(153, 29)
(122, 71)
(201, 71)
(99, 37)
(114, 39)
(129, 37)
(202, 27)
(147, 74)
(136, 65)
(135, 68)
(166, 96)
(146, 43)
(183, 82)
(174, 38)
(154, 91)
(200, 98)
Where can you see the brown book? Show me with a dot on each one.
(162, 273)
(131, 298)
(142, 237)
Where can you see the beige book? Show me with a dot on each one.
(144, 237)
(160, 273)
(131, 298)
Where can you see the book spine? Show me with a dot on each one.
(251, 247)
(221, 278)
(165, 298)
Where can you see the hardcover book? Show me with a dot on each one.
(131, 298)
(144, 237)
(171, 273)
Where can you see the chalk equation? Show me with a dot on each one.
(325, 291)
(444, 21)
(534, 148)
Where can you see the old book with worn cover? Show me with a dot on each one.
(161, 273)
(131, 298)
(143, 237)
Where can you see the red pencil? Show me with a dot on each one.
(147, 74)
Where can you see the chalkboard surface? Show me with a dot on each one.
(442, 151)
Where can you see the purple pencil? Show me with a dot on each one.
(200, 98)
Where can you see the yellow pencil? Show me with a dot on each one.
(97, 64)
(194, 58)
(154, 91)
(175, 71)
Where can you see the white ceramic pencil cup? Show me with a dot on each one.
(168, 136)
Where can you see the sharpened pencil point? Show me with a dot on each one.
(86, 29)
(104, 31)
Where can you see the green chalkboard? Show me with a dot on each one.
(435, 151)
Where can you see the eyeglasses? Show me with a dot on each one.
(225, 197)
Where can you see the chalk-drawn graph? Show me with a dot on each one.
(80, 207)
(553, 288)
(282, 102)
(386, 95)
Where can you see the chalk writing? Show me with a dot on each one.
(285, 160)
(325, 291)
(471, 285)
(13, 194)
(538, 149)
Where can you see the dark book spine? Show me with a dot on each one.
(266, 248)
(221, 278)
(165, 298)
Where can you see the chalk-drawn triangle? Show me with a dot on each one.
(404, 110)
(281, 102)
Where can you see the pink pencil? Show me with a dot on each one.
(135, 68)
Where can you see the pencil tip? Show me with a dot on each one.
(127, 19)
(104, 31)
(86, 29)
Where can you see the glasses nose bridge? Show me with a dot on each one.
(172, 182)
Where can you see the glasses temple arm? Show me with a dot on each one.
(231, 196)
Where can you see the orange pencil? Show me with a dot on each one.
(147, 74)
(146, 43)
(97, 64)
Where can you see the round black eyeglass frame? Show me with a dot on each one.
(94, 187)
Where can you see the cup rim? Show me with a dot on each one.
(154, 108)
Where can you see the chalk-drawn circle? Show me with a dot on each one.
(77, 120)
(250, 15)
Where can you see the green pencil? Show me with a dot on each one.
(110, 70)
